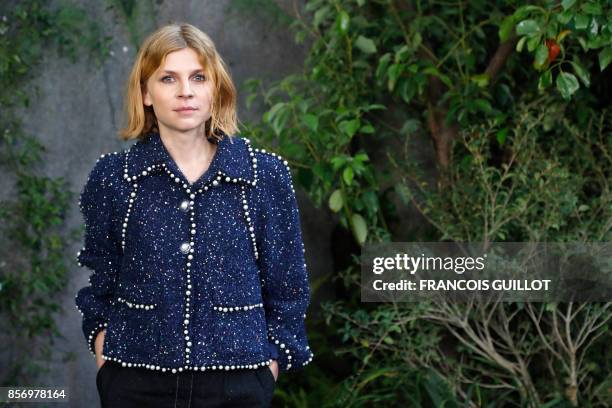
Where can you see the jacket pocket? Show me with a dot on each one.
(240, 328)
(138, 295)
(134, 328)
(228, 308)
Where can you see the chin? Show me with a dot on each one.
(184, 127)
(184, 124)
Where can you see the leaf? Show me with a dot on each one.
(338, 162)
(371, 201)
(311, 121)
(343, 20)
(483, 105)
(348, 175)
(520, 44)
(349, 127)
(605, 56)
(506, 28)
(532, 43)
(594, 28)
(388, 340)
(582, 73)
(562, 35)
(482, 80)
(369, 129)
(365, 44)
(523, 11)
(361, 157)
(564, 17)
(336, 201)
(501, 136)
(583, 44)
(280, 120)
(431, 71)
(592, 8)
(374, 106)
(529, 28)
(395, 328)
(447, 81)
(567, 3)
(581, 22)
(541, 56)
(567, 84)
(383, 63)
(250, 99)
(273, 111)
(320, 15)
(359, 227)
(394, 72)
(444, 78)
(407, 90)
(545, 80)
(401, 54)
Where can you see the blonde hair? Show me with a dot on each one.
(141, 119)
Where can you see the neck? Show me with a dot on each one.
(187, 147)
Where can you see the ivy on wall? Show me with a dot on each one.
(34, 263)
(137, 16)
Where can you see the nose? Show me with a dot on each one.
(185, 90)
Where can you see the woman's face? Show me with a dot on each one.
(177, 84)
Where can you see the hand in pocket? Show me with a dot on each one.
(99, 345)
(274, 368)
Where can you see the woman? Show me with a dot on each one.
(199, 287)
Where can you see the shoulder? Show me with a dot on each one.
(104, 173)
(273, 171)
(107, 166)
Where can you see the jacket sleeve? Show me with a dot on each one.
(101, 251)
(285, 288)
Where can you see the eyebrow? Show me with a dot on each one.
(193, 72)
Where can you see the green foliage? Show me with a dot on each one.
(330, 112)
(35, 268)
(28, 29)
(552, 185)
(553, 30)
(138, 17)
(517, 161)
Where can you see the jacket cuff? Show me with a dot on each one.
(290, 355)
(91, 330)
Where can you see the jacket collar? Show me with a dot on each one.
(233, 161)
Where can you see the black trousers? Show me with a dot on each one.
(137, 387)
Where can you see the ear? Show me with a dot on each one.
(146, 97)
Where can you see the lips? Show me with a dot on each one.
(187, 108)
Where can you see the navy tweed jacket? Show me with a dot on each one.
(202, 276)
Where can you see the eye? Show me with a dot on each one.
(164, 78)
(200, 76)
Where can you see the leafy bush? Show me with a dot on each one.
(512, 159)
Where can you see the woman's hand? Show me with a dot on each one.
(274, 368)
(99, 344)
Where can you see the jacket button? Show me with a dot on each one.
(185, 205)
(185, 247)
